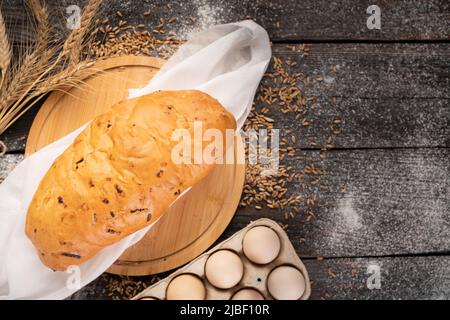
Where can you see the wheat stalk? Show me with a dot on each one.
(5, 51)
(73, 45)
(70, 77)
(40, 12)
(33, 63)
(46, 67)
(70, 49)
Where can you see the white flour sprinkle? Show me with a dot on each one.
(346, 219)
(206, 17)
(7, 163)
(347, 213)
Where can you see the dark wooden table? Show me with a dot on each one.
(385, 201)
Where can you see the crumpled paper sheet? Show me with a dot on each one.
(226, 61)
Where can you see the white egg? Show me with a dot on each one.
(186, 287)
(247, 294)
(224, 269)
(286, 283)
(148, 298)
(261, 245)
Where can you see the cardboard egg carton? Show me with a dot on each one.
(255, 275)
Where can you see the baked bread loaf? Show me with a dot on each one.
(118, 175)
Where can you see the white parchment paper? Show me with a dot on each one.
(226, 61)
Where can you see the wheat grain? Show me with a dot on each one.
(33, 63)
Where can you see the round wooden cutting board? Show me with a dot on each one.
(196, 220)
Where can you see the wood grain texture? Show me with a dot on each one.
(402, 278)
(366, 70)
(254, 274)
(285, 20)
(379, 202)
(387, 96)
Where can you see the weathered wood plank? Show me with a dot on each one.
(364, 70)
(377, 202)
(368, 203)
(400, 278)
(386, 95)
(15, 137)
(17, 21)
(286, 20)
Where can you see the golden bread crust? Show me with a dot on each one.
(118, 177)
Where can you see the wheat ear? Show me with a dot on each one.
(73, 45)
(5, 51)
